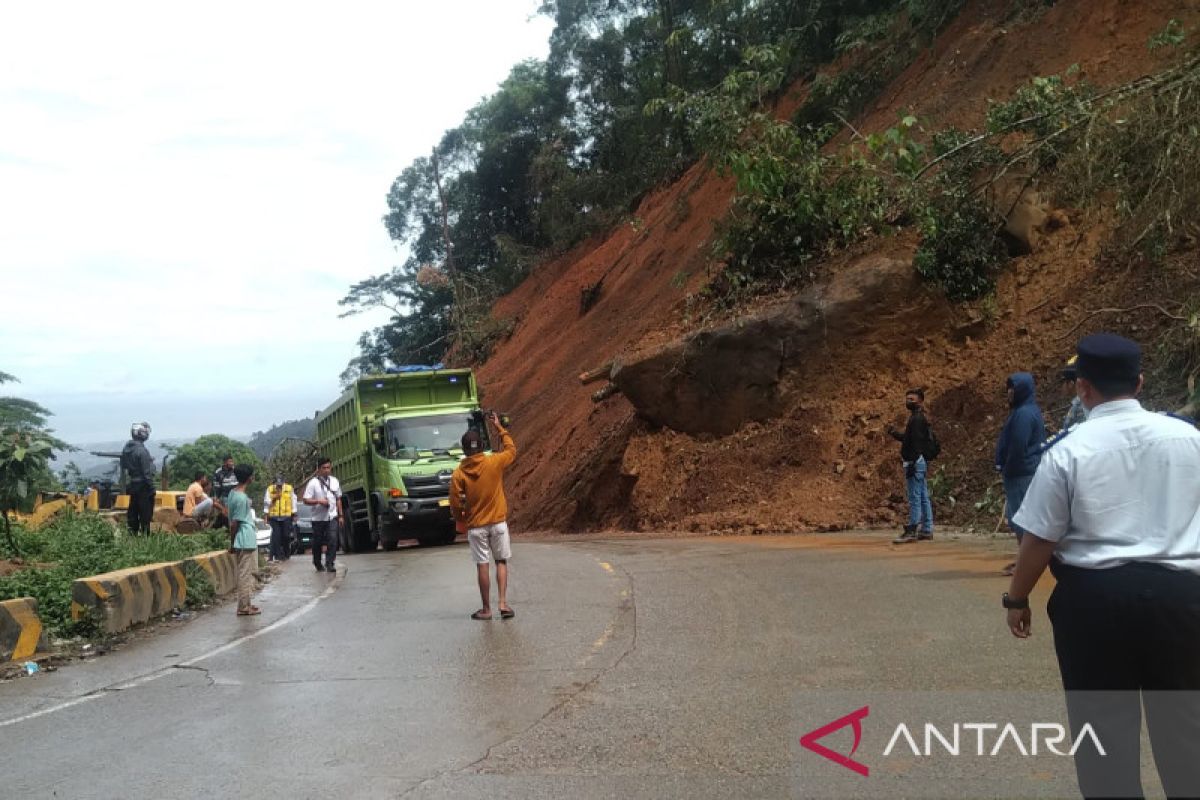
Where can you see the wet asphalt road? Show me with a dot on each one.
(634, 668)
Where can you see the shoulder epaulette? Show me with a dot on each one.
(1056, 438)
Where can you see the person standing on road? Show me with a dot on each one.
(138, 465)
(279, 507)
(243, 538)
(477, 499)
(324, 493)
(223, 482)
(917, 447)
(1075, 412)
(1114, 511)
(1019, 447)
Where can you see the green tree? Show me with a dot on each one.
(72, 478)
(206, 454)
(26, 449)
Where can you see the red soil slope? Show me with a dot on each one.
(826, 463)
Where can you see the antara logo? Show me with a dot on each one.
(1044, 737)
(854, 718)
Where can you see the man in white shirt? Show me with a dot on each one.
(1114, 511)
(324, 494)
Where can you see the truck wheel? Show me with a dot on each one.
(363, 543)
(448, 537)
(388, 544)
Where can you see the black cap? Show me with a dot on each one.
(1105, 357)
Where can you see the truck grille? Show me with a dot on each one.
(427, 485)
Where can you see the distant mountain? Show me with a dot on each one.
(263, 442)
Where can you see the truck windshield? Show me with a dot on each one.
(418, 436)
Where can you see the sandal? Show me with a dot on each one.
(507, 613)
(480, 615)
(249, 612)
(1009, 569)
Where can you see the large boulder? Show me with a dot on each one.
(715, 381)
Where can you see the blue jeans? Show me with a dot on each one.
(920, 509)
(1014, 495)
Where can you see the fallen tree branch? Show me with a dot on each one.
(1138, 307)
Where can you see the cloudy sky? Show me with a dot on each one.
(187, 190)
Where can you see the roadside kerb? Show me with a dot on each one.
(128, 597)
(21, 631)
(221, 567)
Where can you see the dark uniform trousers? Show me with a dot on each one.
(324, 532)
(1127, 636)
(141, 507)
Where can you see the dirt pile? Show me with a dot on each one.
(790, 436)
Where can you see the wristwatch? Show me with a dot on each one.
(1010, 603)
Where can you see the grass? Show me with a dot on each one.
(77, 545)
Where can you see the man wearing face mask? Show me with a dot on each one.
(1114, 511)
(917, 447)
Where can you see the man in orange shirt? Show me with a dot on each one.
(196, 502)
(477, 500)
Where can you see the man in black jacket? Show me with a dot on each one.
(916, 448)
(138, 465)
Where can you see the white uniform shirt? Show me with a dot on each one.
(1123, 486)
(316, 490)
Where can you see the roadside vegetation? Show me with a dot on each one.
(78, 545)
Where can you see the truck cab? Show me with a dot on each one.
(394, 440)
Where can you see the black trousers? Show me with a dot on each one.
(141, 508)
(281, 537)
(324, 532)
(1125, 637)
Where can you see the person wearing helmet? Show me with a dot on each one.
(1076, 413)
(138, 465)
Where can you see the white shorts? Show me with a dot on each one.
(488, 542)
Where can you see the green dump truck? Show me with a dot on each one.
(394, 441)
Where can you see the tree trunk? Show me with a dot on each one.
(8, 534)
(456, 312)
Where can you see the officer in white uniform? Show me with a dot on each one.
(1114, 511)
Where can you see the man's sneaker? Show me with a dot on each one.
(331, 568)
(909, 535)
(925, 536)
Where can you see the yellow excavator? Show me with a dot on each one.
(104, 498)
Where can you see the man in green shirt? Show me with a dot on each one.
(243, 538)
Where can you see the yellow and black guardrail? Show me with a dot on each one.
(21, 632)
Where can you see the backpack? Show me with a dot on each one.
(933, 448)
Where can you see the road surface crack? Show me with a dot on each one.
(207, 675)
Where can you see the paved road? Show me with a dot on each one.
(634, 668)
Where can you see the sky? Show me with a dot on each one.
(187, 190)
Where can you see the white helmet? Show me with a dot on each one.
(140, 431)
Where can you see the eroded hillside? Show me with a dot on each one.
(818, 457)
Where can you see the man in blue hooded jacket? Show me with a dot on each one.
(1019, 447)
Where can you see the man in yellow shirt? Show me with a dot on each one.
(279, 507)
(477, 499)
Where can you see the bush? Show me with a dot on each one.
(78, 545)
(960, 250)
